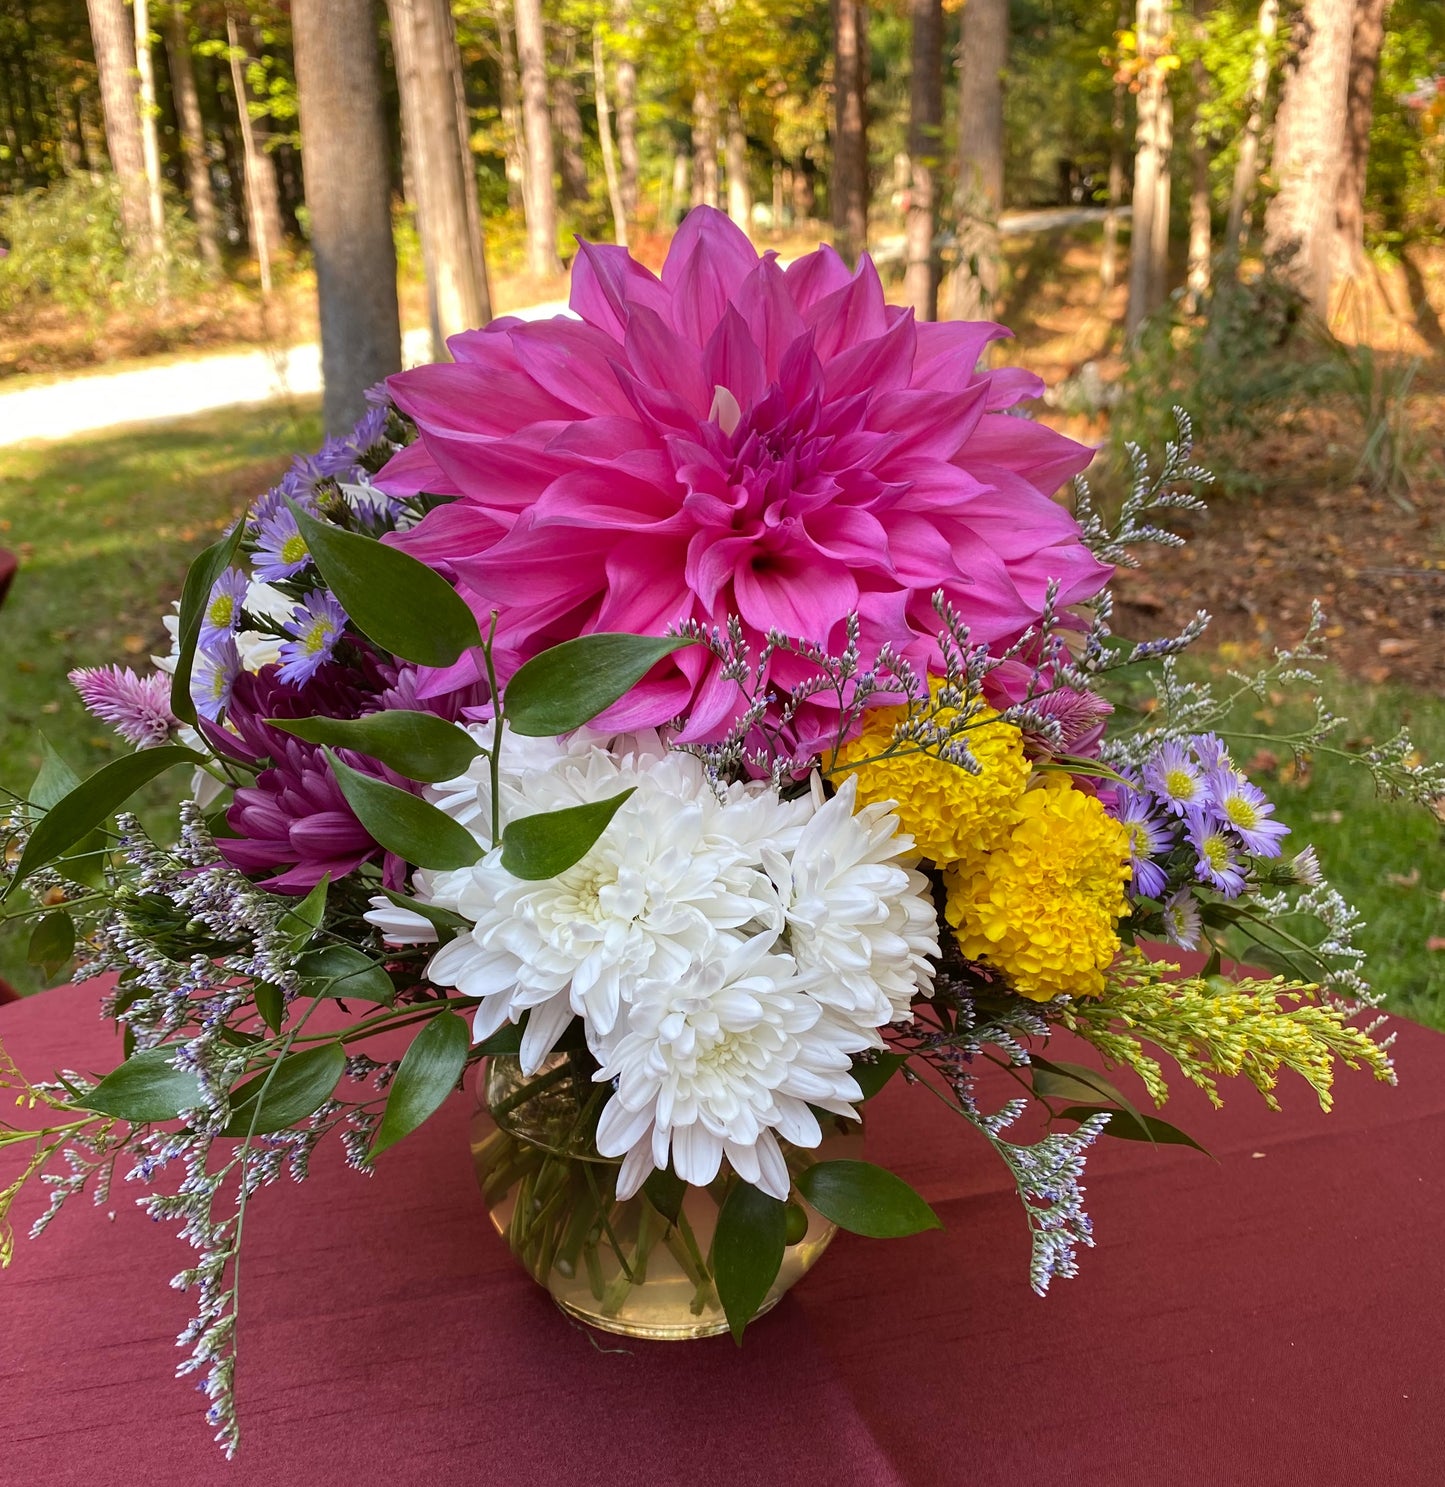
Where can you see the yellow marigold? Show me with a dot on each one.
(951, 814)
(1043, 906)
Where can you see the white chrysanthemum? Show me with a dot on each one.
(720, 1062)
(400, 926)
(648, 902)
(855, 913)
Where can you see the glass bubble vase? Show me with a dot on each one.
(638, 1266)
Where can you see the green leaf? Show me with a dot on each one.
(506, 1042)
(303, 920)
(345, 972)
(872, 1076)
(52, 941)
(1127, 1127)
(429, 1072)
(747, 1252)
(404, 823)
(541, 846)
(1080, 1085)
(201, 578)
(55, 780)
(271, 1004)
(52, 784)
(665, 1190)
(420, 746)
(83, 808)
(145, 1087)
(401, 604)
(446, 923)
(300, 1083)
(570, 684)
(865, 1199)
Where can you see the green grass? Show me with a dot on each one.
(1386, 857)
(105, 528)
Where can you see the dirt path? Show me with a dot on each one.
(104, 400)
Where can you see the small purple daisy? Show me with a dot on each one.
(1217, 863)
(1149, 837)
(1176, 779)
(223, 609)
(317, 624)
(281, 550)
(216, 669)
(1182, 924)
(1244, 807)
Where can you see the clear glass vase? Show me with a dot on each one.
(621, 1266)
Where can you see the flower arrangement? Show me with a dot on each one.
(701, 709)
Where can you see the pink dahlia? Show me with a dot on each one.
(734, 438)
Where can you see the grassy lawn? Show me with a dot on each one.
(105, 528)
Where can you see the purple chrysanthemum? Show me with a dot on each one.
(280, 548)
(223, 609)
(1149, 837)
(212, 677)
(1244, 807)
(137, 707)
(293, 821)
(1216, 852)
(1175, 777)
(317, 624)
(1182, 922)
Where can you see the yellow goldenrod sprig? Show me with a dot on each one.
(1212, 1026)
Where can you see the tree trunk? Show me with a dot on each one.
(114, 42)
(704, 148)
(740, 190)
(1109, 262)
(568, 121)
(440, 157)
(925, 152)
(1369, 34)
(627, 134)
(1246, 168)
(1154, 143)
(149, 138)
(344, 154)
(263, 217)
(982, 58)
(604, 135)
(1309, 137)
(193, 136)
(1197, 277)
(515, 153)
(848, 187)
(541, 196)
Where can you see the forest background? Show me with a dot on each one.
(1236, 206)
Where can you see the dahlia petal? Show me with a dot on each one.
(772, 318)
(707, 263)
(878, 366)
(815, 276)
(852, 315)
(607, 282)
(731, 360)
(412, 470)
(949, 352)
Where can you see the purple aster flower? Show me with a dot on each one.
(1176, 778)
(216, 668)
(1217, 861)
(1211, 751)
(223, 609)
(137, 707)
(280, 547)
(335, 459)
(317, 624)
(1306, 868)
(1246, 809)
(1182, 924)
(1149, 837)
(371, 427)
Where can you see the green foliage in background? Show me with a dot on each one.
(66, 248)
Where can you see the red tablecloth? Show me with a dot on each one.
(1273, 1319)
